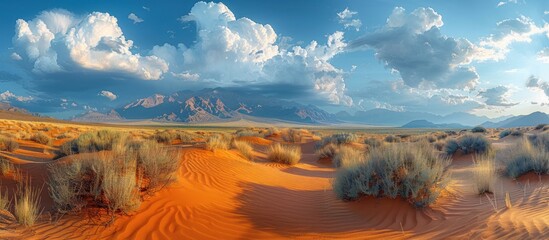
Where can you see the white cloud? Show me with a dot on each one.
(135, 18)
(543, 55)
(546, 12)
(15, 57)
(347, 20)
(7, 95)
(111, 96)
(497, 45)
(536, 83)
(240, 51)
(497, 96)
(57, 41)
(506, 2)
(411, 43)
(146, 9)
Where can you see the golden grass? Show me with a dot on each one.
(484, 174)
(27, 204)
(244, 148)
(286, 154)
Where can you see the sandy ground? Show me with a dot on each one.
(220, 195)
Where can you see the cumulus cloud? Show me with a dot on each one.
(108, 94)
(412, 44)
(346, 18)
(497, 96)
(497, 45)
(238, 51)
(135, 18)
(15, 57)
(536, 83)
(398, 96)
(7, 96)
(57, 41)
(543, 55)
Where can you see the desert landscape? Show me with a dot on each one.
(74, 181)
(274, 119)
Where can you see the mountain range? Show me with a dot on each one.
(220, 104)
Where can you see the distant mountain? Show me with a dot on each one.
(92, 116)
(531, 119)
(386, 117)
(427, 124)
(209, 105)
(7, 107)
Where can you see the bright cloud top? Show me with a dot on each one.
(111, 96)
(58, 41)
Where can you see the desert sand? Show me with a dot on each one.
(221, 195)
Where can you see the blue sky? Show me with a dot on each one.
(484, 57)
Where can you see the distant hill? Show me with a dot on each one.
(386, 117)
(92, 116)
(219, 104)
(427, 124)
(531, 119)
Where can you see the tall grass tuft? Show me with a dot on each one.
(244, 148)
(414, 172)
(347, 156)
(42, 138)
(27, 204)
(286, 154)
(93, 142)
(159, 165)
(484, 174)
(8, 144)
(4, 201)
(526, 157)
(218, 142)
(6, 166)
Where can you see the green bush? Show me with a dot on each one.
(504, 133)
(414, 172)
(92, 142)
(478, 129)
(451, 147)
(474, 143)
(526, 157)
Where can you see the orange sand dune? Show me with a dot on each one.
(220, 195)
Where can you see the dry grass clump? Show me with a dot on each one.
(244, 148)
(347, 156)
(470, 143)
(93, 142)
(27, 204)
(414, 172)
(294, 135)
(526, 157)
(158, 164)
(329, 146)
(185, 136)
(373, 142)
(478, 129)
(484, 173)
(248, 133)
(286, 154)
(165, 136)
(42, 138)
(392, 139)
(6, 166)
(218, 142)
(8, 144)
(120, 188)
(327, 151)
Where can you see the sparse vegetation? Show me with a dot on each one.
(504, 133)
(92, 142)
(244, 148)
(4, 199)
(413, 172)
(6, 166)
(452, 145)
(158, 164)
(42, 138)
(474, 143)
(392, 139)
(540, 126)
(27, 204)
(347, 156)
(478, 129)
(484, 174)
(286, 154)
(218, 142)
(8, 144)
(373, 142)
(526, 157)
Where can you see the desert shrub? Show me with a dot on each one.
(327, 150)
(218, 141)
(41, 137)
(4, 200)
(517, 133)
(441, 135)
(373, 142)
(439, 145)
(158, 164)
(292, 135)
(347, 156)
(244, 148)
(474, 143)
(27, 204)
(92, 142)
(411, 171)
(540, 140)
(478, 129)
(540, 126)
(504, 133)
(451, 147)
(164, 136)
(342, 138)
(186, 136)
(120, 189)
(8, 144)
(273, 131)
(392, 139)
(248, 133)
(6, 166)
(484, 174)
(64, 185)
(526, 157)
(286, 154)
